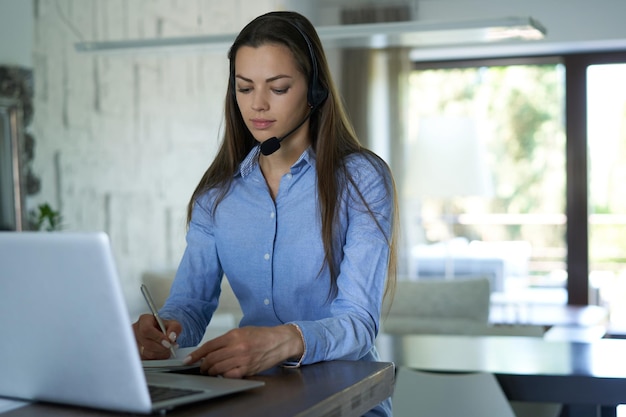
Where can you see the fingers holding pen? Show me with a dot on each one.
(173, 329)
(151, 341)
(149, 338)
(167, 337)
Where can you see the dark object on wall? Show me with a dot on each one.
(11, 195)
(16, 147)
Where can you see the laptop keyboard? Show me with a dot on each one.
(167, 393)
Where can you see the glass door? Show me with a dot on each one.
(606, 132)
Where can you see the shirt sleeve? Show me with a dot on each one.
(355, 313)
(196, 288)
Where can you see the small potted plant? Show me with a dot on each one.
(45, 218)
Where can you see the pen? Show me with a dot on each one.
(155, 313)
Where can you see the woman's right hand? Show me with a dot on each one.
(151, 341)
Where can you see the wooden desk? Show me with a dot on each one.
(338, 388)
(590, 378)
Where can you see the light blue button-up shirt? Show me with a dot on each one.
(272, 254)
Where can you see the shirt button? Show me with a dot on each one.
(288, 176)
(272, 214)
(266, 302)
(267, 256)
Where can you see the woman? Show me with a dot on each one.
(293, 211)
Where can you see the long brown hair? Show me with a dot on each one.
(332, 135)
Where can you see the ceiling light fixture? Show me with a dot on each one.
(370, 35)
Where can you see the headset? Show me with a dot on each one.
(317, 93)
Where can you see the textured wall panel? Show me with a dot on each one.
(123, 140)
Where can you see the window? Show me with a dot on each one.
(548, 135)
(486, 179)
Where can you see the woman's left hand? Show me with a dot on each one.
(248, 350)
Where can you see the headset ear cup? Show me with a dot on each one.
(317, 94)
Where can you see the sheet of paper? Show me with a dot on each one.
(173, 364)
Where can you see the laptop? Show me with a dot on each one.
(67, 331)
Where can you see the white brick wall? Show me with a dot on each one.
(121, 141)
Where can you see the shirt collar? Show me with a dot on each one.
(307, 158)
(251, 161)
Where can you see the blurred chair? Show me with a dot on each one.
(459, 306)
(439, 307)
(433, 394)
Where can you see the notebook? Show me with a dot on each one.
(67, 334)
